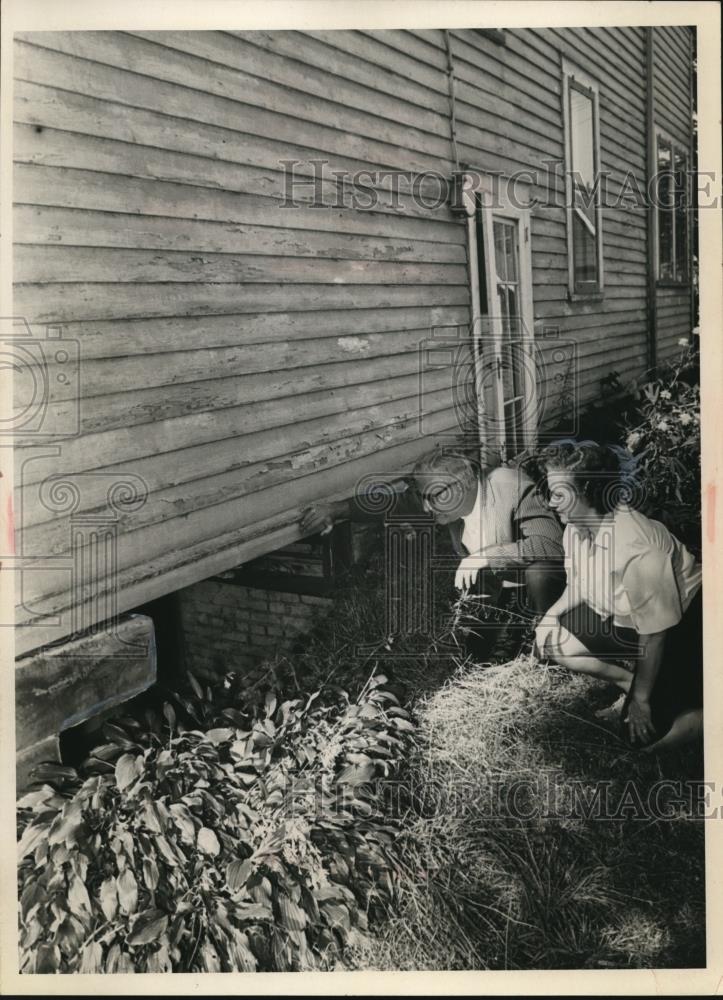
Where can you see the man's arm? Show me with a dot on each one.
(538, 534)
(322, 517)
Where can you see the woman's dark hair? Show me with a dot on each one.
(596, 469)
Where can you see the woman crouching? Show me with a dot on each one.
(633, 593)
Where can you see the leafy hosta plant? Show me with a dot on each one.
(241, 843)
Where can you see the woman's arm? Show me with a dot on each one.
(639, 718)
(550, 621)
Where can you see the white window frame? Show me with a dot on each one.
(680, 147)
(493, 202)
(571, 74)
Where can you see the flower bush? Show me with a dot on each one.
(662, 432)
(214, 837)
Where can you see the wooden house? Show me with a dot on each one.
(250, 258)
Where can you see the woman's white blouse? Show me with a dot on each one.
(633, 569)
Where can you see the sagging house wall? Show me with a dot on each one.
(238, 358)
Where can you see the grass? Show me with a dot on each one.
(501, 871)
(501, 864)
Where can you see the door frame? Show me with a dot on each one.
(508, 201)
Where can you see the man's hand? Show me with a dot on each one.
(639, 721)
(319, 518)
(468, 569)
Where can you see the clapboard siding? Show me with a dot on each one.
(672, 97)
(241, 357)
(526, 74)
(150, 221)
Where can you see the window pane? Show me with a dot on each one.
(584, 249)
(582, 136)
(681, 216)
(666, 250)
(500, 255)
(585, 194)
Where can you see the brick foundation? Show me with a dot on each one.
(226, 626)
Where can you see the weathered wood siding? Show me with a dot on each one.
(672, 102)
(241, 357)
(510, 118)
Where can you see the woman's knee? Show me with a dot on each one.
(544, 585)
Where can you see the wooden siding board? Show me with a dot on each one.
(48, 265)
(409, 43)
(321, 80)
(180, 105)
(127, 337)
(96, 190)
(182, 417)
(105, 376)
(176, 568)
(69, 227)
(174, 477)
(371, 48)
(70, 55)
(178, 517)
(74, 150)
(107, 300)
(312, 53)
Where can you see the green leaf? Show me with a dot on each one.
(165, 848)
(220, 735)
(66, 825)
(160, 959)
(70, 937)
(207, 841)
(32, 895)
(169, 713)
(237, 874)
(270, 703)
(197, 689)
(78, 897)
(109, 898)
(147, 927)
(38, 797)
(150, 873)
(127, 891)
(254, 912)
(32, 836)
(47, 958)
(183, 820)
(150, 817)
(242, 958)
(356, 774)
(127, 769)
(292, 916)
(210, 962)
(58, 773)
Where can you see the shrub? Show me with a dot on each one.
(662, 432)
(213, 839)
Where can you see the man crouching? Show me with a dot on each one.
(498, 524)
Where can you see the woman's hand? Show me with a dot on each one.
(467, 571)
(319, 518)
(639, 721)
